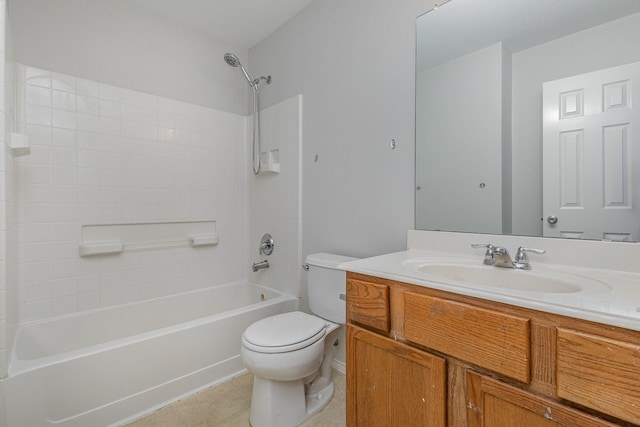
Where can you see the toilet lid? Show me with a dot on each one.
(284, 332)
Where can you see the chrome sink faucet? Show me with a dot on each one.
(503, 258)
(500, 257)
(489, 255)
(522, 259)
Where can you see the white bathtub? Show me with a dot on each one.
(108, 366)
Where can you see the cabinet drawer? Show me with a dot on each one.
(368, 304)
(599, 373)
(492, 340)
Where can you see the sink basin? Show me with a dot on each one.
(484, 276)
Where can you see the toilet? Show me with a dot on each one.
(290, 354)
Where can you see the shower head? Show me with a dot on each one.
(233, 60)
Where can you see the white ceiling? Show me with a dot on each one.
(243, 23)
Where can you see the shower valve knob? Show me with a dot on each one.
(266, 245)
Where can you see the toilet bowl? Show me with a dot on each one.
(290, 354)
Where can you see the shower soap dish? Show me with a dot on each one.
(270, 161)
(18, 144)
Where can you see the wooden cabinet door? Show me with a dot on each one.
(492, 403)
(393, 384)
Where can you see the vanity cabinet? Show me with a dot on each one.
(418, 356)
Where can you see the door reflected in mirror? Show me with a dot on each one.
(524, 121)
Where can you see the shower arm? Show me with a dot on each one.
(256, 81)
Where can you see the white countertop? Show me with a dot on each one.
(616, 302)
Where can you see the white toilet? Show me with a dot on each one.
(290, 354)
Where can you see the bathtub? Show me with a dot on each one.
(109, 366)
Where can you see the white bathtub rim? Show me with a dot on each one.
(18, 366)
(161, 297)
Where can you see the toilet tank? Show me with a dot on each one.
(327, 286)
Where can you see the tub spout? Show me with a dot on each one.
(260, 265)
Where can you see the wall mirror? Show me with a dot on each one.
(525, 120)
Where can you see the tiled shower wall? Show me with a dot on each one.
(102, 154)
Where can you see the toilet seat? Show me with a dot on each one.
(284, 332)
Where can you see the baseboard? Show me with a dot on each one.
(339, 366)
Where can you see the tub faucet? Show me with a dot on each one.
(260, 265)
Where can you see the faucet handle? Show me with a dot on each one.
(522, 259)
(266, 245)
(489, 255)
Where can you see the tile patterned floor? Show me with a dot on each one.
(227, 405)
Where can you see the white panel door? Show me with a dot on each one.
(591, 155)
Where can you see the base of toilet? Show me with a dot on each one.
(284, 403)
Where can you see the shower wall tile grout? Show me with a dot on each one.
(104, 154)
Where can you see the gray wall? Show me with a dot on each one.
(460, 105)
(353, 61)
(114, 42)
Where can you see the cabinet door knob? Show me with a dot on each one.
(552, 219)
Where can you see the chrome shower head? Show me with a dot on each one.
(233, 60)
